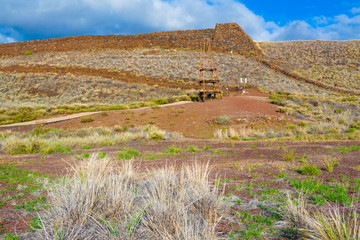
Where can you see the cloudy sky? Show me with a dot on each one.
(263, 20)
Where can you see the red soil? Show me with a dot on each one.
(192, 120)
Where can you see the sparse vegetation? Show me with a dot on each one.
(52, 140)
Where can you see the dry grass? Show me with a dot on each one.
(333, 224)
(330, 62)
(52, 140)
(103, 200)
(176, 65)
(54, 90)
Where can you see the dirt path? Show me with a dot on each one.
(77, 115)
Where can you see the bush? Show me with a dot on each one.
(309, 170)
(30, 52)
(223, 120)
(289, 155)
(161, 101)
(338, 110)
(86, 119)
(330, 164)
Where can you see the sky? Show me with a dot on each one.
(263, 20)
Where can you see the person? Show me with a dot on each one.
(201, 96)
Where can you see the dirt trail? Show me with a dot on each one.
(77, 115)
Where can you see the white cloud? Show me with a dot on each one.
(6, 39)
(50, 18)
(355, 10)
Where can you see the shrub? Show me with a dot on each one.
(338, 110)
(223, 120)
(355, 125)
(194, 149)
(289, 155)
(30, 52)
(309, 170)
(330, 164)
(86, 119)
(161, 101)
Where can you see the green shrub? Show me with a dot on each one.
(355, 125)
(86, 119)
(156, 136)
(161, 101)
(309, 170)
(338, 110)
(128, 154)
(30, 52)
(330, 164)
(193, 148)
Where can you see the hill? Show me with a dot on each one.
(335, 63)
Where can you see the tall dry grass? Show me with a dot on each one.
(107, 201)
(333, 224)
(27, 143)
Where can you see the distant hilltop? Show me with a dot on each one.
(226, 37)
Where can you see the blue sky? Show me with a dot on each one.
(263, 20)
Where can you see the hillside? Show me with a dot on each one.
(90, 73)
(335, 63)
(293, 136)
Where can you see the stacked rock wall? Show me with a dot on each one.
(224, 38)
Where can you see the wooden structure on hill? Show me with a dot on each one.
(209, 82)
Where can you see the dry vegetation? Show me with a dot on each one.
(177, 65)
(330, 62)
(104, 201)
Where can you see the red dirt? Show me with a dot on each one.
(228, 160)
(192, 120)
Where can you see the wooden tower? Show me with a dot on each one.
(209, 82)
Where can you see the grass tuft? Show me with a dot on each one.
(104, 201)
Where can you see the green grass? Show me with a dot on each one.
(309, 170)
(128, 154)
(317, 190)
(22, 184)
(9, 236)
(255, 225)
(345, 149)
(172, 151)
(35, 223)
(194, 149)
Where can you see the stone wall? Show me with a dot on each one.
(224, 38)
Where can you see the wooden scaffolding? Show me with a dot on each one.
(208, 75)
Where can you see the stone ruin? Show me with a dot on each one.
(226, 37)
